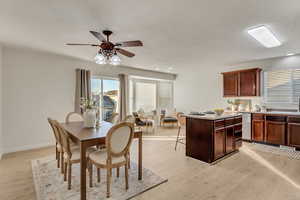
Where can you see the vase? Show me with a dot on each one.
(89, 117)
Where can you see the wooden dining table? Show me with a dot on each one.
(87, 137)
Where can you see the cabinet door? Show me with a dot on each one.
(275, 132)
(230, 139)
(230, 84)
(247, 83)
(219, 144)
(258, 130)
(294, 134)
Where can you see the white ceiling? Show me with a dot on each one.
(176, 33)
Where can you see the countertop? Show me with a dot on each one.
(278, 113)
(235, 114)
(214, 117)
(272, 112)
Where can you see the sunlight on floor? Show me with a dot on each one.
(267, 164)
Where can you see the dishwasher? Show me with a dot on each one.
(246, 129)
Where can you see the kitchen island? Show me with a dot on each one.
(211, 137)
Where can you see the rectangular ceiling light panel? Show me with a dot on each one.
(265, 36)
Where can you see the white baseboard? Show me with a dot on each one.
(27, 147)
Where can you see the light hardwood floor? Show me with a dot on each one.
(247, 175)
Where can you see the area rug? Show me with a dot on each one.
(49, 184)
(288, 152)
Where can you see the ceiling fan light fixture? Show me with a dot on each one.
(115, 59)
(107, 50)
(99, 56)
(101, 62)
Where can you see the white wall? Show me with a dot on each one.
(37, 85)
(1, 137)
(200, 87)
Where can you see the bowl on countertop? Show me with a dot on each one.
(219, 111)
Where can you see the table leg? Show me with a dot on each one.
(82, 171)
(140, 160)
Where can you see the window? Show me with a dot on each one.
(150, 95)
(107, 92)
(282, 87)
(145, 96)
(165, 94)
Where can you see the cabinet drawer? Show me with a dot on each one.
(293, 119)
(238, 128)
(219, 124)
(275, 118)
(256, 116)
(293, 135)
(238, 120)
(229, 121)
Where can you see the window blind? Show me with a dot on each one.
(150, 94)
(165, 94)
(282, 87)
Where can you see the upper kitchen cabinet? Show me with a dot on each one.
(242, 83)
(230, 82)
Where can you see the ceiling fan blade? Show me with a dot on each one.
(98, 35)
(93, 45)
(135, 43)
(125, 52)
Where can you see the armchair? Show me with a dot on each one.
(168, 118)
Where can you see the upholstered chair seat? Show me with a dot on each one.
(170, 119)
(100, 157)
(75, 156)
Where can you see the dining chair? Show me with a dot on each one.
(74, 117)
(181, 124)
(71, 154)
(118, 142)
(130, 119)
(58, 146)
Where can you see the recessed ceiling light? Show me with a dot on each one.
(265, 36)
(290, 54)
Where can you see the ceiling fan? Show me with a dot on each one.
(108, 50)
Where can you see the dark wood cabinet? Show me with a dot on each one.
(277, 129)
(275, 132)
(258, 130)
(219, 143)
(249, 83)
(230, 82)
(293, 137)
(242, 83)
(293, 131)
(230, 139)
(209, 140)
